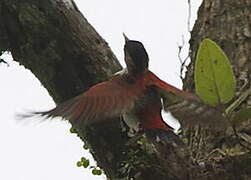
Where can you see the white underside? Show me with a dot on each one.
(133, 122)
(170, 120)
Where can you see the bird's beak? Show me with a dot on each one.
(126, 38)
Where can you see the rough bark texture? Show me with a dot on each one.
(227, 22)
(59, 46)
(55, 42)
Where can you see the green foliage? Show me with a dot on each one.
(139, 157)
(96, 172)
(84, 162)
(72, 130)
(79, 164)
(86, 146)
(214, 78)
(215, 82)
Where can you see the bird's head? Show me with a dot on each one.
(136, 57)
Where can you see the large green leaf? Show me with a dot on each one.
(214, 77)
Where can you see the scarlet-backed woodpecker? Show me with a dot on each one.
(137, 95)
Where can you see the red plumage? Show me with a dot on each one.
(136, 94)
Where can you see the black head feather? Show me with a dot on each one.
(136, 57)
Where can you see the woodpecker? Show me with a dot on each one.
(137, 95)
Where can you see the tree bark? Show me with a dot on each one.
(53, 40)
(228, 23)
(59, 46)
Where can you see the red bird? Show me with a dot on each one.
(137, 95)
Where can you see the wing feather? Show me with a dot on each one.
(105, 100)
(187, 107)
(190, 113)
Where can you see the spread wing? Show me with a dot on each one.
(193, 112)
(187, 107)
(104, 100)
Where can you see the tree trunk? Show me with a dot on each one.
(228, 23)
(59, 46)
